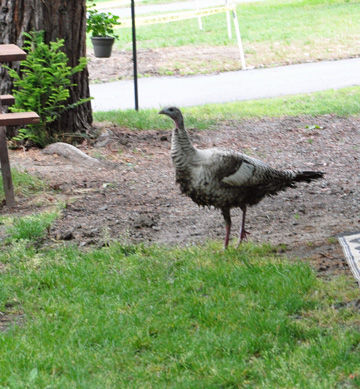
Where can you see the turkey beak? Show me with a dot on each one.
(162, 112)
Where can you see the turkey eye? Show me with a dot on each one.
(171, 109)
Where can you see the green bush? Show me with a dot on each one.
(43, 86)
(101, 23)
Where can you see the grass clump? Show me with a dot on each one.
(134, 316)
(30, 227)
(24, 183)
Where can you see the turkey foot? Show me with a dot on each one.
(242, 236)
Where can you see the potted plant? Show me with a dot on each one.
(101, 25)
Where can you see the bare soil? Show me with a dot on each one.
(165, 61)
(188, 60)
(132, 196)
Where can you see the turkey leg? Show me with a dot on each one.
(227, 218)
(243, 233)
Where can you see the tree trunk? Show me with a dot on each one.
(63, 19)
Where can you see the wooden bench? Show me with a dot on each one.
(9, 53)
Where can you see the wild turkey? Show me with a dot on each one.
(226, 179)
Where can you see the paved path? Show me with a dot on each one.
(156, 92)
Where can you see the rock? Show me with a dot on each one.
(91, 233)
(144, 221)
(104, 138)
(72, 153)
(67, 235)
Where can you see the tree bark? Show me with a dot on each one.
(63, 19)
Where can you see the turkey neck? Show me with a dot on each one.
(182, 149)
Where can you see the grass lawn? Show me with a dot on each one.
(134, 316)
(272, 31)
(342, 102)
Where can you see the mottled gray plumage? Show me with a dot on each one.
(225, 179)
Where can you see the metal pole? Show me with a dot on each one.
(134, 54)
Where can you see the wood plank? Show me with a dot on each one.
(7, 100)
(9, 53)
(5, 170)
(19, 118)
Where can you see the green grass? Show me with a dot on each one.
(30, 227)
(274, 32)
(147, 119)
(342, 102)
(296, 20)
(277, 22)
(130, 316)
(24, 183)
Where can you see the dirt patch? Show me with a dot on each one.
(11, 316)
(135, 199)
(162, 62)
(187, 60)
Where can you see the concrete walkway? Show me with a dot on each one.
(156, 92)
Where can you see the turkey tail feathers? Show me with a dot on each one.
(308, 176)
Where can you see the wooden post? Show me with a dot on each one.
(5, 166)
(5, 169)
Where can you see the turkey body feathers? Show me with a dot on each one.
(226, 179)
(308, 176)
(223, 178)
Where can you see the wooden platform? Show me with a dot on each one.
(9, 53)
(19, 118)
(7, 100)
